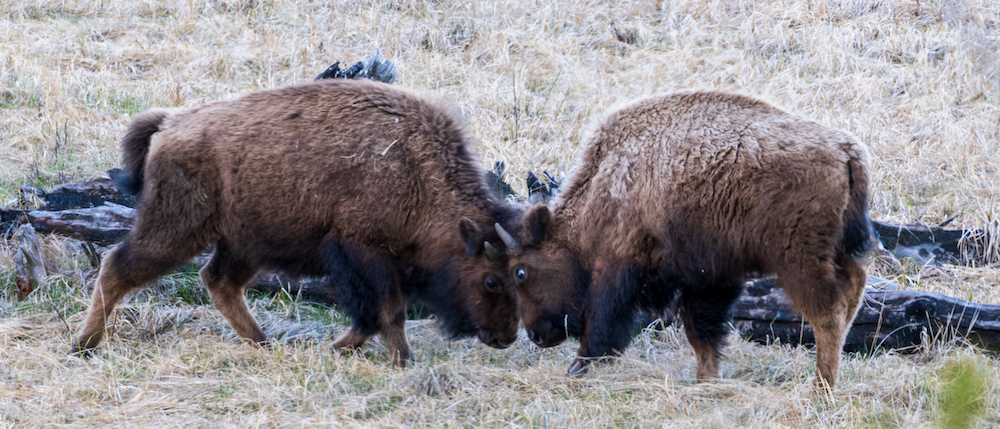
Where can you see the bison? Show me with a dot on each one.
(678, 199)
(359, 180)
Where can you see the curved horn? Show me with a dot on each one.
(506, 237)
(491, 252)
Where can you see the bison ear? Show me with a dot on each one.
(538, 222)
(470, 236)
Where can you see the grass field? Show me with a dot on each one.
(918, 81)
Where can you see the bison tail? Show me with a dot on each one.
(859, 237)
(135, 147)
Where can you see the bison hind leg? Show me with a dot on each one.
(225, 276)
(366, 285)
(705, 310)
(829, 301)
(124, 268)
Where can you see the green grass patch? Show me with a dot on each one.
(19, 99)
(118, 101)
(963, 391)
(186, 287)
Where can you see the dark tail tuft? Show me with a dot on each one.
(859, 237)
(126, 182)
(135, 147)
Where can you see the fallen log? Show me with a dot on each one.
(95, 211)
(931, 244)
(906, 321)
(311, 289)
(80, 195)
(9, 222)
(374, 67)
(924, 243)
(104, 225)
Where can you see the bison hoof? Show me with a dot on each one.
(402, 362)
(579, 367)
(79, 351)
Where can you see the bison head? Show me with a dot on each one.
(549, 279)
(476, 297)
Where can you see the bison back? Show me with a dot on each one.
(352, 161)
(716, 179)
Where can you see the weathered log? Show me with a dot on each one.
(498, 185)
(95, 211)
(104, 225)
(307, 288)
(888, 319)
(312, 289)
(9, 221)
(543, 189)
(375, 68)
(936, 245)
(80, 195)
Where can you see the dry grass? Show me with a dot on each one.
(919, 81)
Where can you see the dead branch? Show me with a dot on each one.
(28, 263)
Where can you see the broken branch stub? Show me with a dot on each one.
(28, 263)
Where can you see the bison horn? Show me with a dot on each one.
(506, 237)
(491, 252)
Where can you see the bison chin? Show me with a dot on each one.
(552, 330)
(458, 329)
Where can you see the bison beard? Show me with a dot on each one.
(678, 199)
(359, 181)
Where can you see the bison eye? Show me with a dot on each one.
(492, 284)
(521, 274)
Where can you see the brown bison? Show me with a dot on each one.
(358, 180)
(681, 197)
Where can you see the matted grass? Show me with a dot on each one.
(918, 81)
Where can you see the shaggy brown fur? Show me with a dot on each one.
(358, 180)
(680, 197)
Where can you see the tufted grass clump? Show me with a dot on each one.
(964, 388)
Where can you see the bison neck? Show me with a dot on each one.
(601, 232)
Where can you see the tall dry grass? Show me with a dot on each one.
(919, 81)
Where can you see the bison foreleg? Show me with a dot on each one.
(367, 288)
(608, 322)
(705, 311)
(392, 321)
(226, 276)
